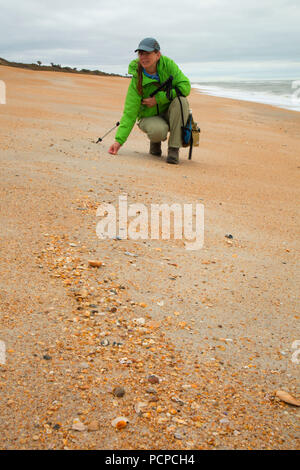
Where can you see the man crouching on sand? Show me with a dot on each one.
(156, 115)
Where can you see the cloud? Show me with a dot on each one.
(106, 33)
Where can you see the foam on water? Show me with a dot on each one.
(281, 93)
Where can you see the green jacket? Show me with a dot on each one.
(133, 108)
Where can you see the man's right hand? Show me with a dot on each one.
(114, 148)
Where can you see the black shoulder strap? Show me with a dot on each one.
(191, 147)
(178, 93)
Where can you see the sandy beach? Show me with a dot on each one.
(199, 342)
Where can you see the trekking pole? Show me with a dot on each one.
(108, 132)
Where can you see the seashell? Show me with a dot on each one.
(125, 360)
(287, 398)
(95, 264)
(139, 321)
(138, 407)
(120, 422)
(78, 425)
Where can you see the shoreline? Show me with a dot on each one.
(195, 85)
(216, 326)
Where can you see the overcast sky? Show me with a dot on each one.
(242, 38)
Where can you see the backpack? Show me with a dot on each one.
(190, 130)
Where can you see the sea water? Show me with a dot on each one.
(280, 93)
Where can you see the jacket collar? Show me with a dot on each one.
(133, 70)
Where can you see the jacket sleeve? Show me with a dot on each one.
(130, 113)
(179, 80)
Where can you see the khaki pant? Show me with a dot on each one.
(157, 127)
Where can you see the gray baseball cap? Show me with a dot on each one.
(148, 45)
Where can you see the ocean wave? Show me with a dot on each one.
(280, 93)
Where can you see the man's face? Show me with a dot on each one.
(148, 59)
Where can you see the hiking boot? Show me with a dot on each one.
(173, 155)
(155, 148)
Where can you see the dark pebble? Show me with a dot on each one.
(153, 379)
(151, 390)
(119, 392)
(151, 399)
